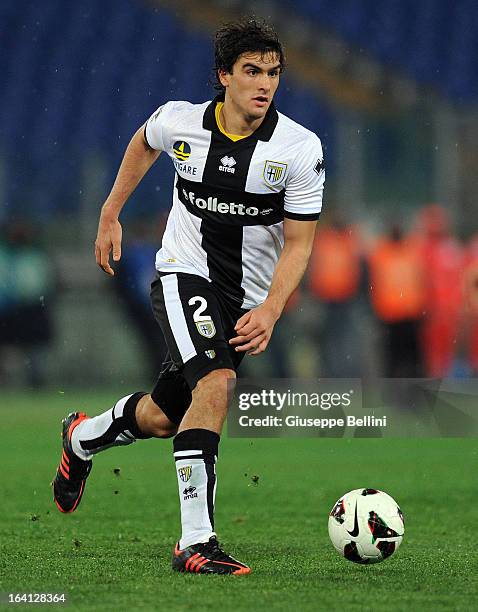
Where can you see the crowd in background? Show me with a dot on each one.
(417, 285)
(422, 288)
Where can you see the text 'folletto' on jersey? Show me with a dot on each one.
(230, 198)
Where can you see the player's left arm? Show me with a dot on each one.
(302, 206)
(254, 329)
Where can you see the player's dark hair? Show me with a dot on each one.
(245, 36)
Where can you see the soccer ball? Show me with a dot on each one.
(366, 526)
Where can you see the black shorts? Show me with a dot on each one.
(197, 322)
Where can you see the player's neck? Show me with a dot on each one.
(235, 122)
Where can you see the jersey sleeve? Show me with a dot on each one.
(305, 186)
(157, 129)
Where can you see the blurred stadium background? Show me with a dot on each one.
(390, 86)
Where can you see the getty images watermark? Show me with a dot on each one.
(348, 408)
(280, 407)
(282, 402)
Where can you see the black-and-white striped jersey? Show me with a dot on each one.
(230, 198)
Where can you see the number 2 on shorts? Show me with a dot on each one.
(204, 323)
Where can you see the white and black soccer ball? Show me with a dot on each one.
(366, 526)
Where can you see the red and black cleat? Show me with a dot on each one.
(207, 558)
(69, 482)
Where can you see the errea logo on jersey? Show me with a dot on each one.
(222, 208)
(227, 164)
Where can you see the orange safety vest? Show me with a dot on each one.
(397, 281)
(334, 267)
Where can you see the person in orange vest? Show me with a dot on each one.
(470, 290)
(397, 295)
(334, 280)
(442, 257)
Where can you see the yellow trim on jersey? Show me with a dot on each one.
(233, 137)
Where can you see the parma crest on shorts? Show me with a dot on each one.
(206, 328)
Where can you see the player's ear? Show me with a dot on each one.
(223, 77)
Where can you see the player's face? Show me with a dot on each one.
(252, 83)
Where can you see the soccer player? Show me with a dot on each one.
(246, 199)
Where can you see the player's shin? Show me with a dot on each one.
(195, 453)
(115, 427)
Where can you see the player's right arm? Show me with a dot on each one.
(137, 160)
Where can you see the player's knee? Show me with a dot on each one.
(218, 378)
(154, 420)
(215, 388)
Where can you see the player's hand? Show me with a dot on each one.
(254, 330)
(108, 239)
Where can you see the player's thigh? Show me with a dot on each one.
(191, 318)
(171, 392)
(230, 314)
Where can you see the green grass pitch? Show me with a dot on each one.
(271, 511)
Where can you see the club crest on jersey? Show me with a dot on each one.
(206, 328)
(181, 150)
(274, 172)
(185, 473)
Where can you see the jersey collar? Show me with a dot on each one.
(263, 132)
